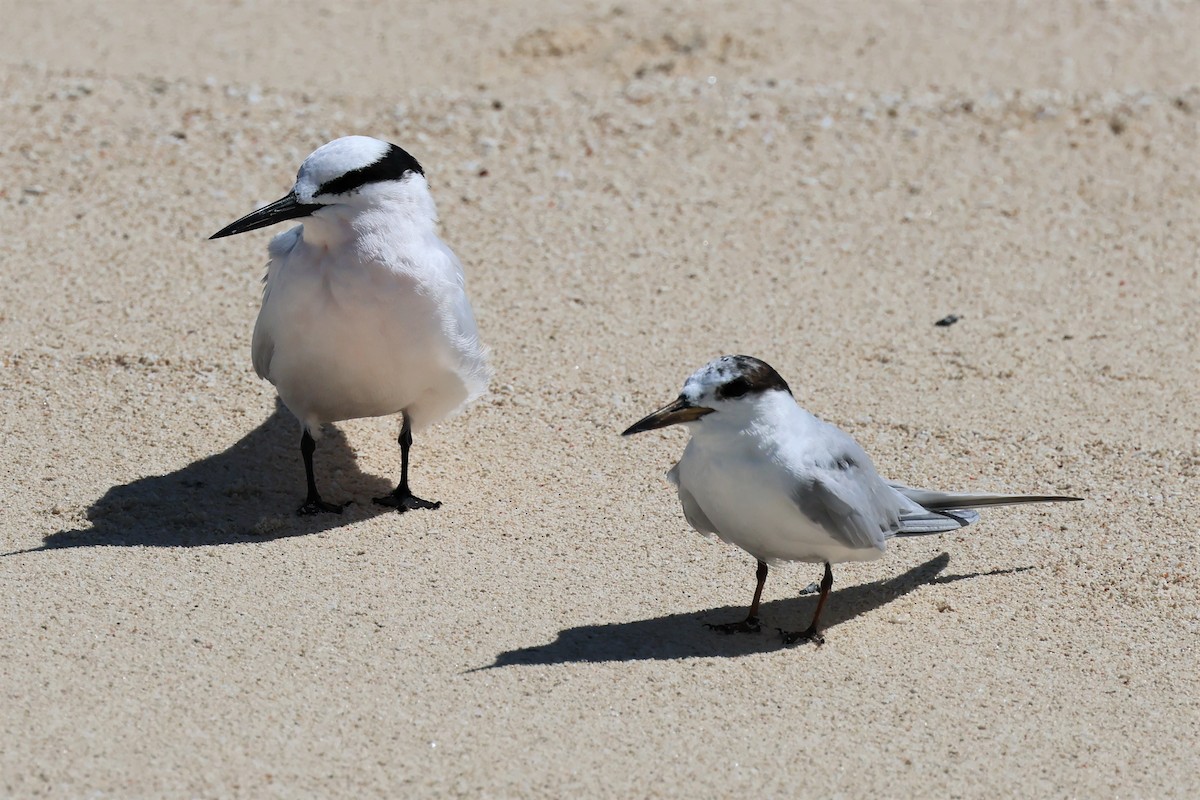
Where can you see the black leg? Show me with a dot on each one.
(750, 624)
(401, 498)
(313, 504)
(811, 633)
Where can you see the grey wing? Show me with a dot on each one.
(262, 349)
(469, 352)
(850, 502)
(464, 315)
(691, 509)
(941, 501)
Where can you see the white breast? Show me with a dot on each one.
(361, 330)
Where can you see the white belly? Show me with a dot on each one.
(359, 342)
(749, 502)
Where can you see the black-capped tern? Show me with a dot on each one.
(365, 312)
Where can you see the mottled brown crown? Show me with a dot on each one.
(747, 375)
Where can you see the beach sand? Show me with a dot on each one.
(633, 191)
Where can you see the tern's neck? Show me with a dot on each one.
(402, 217)
(758, 416)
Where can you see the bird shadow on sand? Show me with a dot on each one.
(248, 493)
(684, 635)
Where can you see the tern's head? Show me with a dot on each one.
(352, 172)
(726, 387)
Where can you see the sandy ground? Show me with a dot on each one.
(633, 190)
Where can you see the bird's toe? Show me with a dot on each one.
(406, 502)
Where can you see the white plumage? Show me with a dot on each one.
(762, 473)
(365, 311)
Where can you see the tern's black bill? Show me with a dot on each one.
(679, 411)
(282, 209)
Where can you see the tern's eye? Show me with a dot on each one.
(735, 388)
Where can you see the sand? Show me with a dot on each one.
(633, 191)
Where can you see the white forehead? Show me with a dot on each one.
(336, 158)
